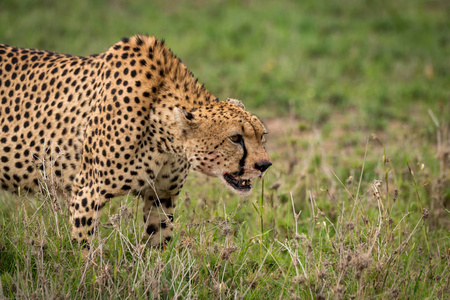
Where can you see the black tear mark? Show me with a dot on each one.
(242, 161)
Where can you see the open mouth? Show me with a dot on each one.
(237, 183)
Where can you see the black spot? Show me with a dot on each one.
(151, 229)
(167, 202)
(170, 217)
(189, 116)
(84, 244)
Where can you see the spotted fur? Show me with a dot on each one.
(131, 120)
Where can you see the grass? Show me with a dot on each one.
(356, 205)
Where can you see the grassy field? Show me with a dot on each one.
(355, 95)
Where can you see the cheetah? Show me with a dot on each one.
(132, 120)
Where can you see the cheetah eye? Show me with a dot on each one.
(263, 137)
(237, 139)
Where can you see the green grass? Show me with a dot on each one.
(355, 95)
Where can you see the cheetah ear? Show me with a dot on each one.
(184, 119)
(237, 103)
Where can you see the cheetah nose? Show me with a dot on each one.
(263, 165)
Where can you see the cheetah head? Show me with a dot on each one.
(224, 140)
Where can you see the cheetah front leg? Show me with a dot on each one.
(158, 217)
(84, 211)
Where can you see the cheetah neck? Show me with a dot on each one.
(159, 82)
(163, 76)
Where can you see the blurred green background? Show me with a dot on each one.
(378, 60)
